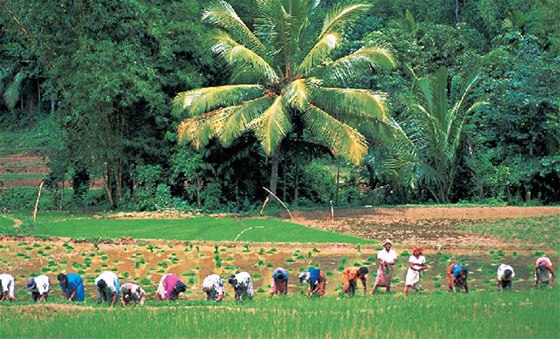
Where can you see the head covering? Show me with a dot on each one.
(387, 241)
(30, 282)
(232, 279)
(417, 249)
(101, 284)
(180, 287)
(303, 276)
(363, 271)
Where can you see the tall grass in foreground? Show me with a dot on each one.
(478, 315)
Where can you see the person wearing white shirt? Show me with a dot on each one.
(39, 287)
(132, 294)
(242, 284)
(108, 287)
(505, 275)
(386, 258)
(7, 287)
(416, 264)
(213, 287)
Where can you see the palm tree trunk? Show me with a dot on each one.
(274, 170)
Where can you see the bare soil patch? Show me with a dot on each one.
(432, 227)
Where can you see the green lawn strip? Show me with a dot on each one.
(5, 222)
(529, 314)
(537, 230)
(21, 176)
(195, 228)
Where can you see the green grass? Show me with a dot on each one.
(21, 176)
(5, 222)
(537, 230)
(196, 228)
(532, 314)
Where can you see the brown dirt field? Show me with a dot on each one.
(433, 227)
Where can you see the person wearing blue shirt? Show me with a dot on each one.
(279, 284)
(72, 286)
(317, 280)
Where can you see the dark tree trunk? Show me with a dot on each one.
(274, 171)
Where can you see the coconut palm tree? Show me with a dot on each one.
(283, 77)
(436, 127)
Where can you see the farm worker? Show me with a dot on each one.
(108, 287)
(132, 294)
(279, 282)
(170, 286)
(72, 286)
(543, 271)
(7, 287)
(242, 285)
(505, 274)
(317, 280)
(350, 277)
(457, 275)
(416, 264)
(213, 286)
(39, 287)
(386, 258)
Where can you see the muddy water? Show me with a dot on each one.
(145, 263)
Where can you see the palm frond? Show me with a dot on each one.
(297, 94)
(234, 121)
(340, 137)
(206, 99)
(242, 59)
(198, 130)
(351, 103)
(222, 15)
(272, 126)
(13, 90)
(359, 63)
(319, 52)
(341, 17)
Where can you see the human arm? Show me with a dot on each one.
(113, 299)
(364, 283)
(313, 289)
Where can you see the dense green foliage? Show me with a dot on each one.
(90, 85)
(478, 315)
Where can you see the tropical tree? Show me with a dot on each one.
(284, 79)
(436, 127)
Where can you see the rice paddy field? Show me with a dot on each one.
(142, 250)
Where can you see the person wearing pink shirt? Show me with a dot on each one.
(170, 286)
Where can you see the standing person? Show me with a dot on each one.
(72, 286)
(386, 258)
(39, 287)
(108, 287)
(132, 294)
(7, 287)
(350, 277)
(213, 286)
(242, 285)
(416, 264)
(543, 271)
(170, 286)
(317, 280)
(279, 284)
(505, 275)
(457, 275)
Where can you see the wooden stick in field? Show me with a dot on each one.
(37, 202)
(281, 202)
